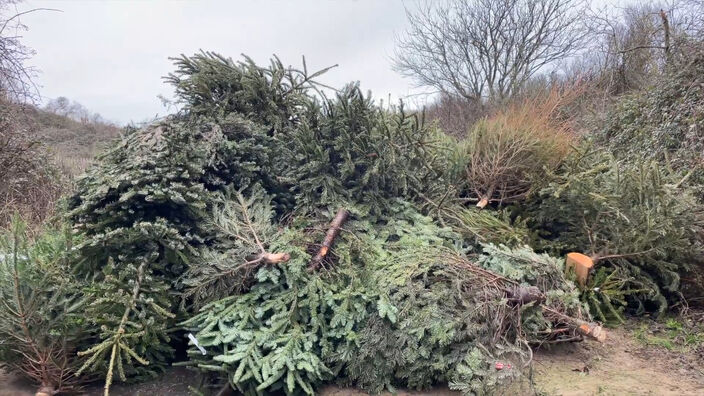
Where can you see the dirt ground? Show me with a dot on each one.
(620, 366)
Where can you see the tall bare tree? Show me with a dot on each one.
(487, 49)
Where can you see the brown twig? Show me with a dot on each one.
(612, 256)
(330, 236)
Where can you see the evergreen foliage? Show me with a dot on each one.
(274, 96)
(140, 212)
(323, 151)
(664, 123)
(636, 217)
(244, 229)
(155, 208)
(397, 297)
(131, 308)
(607, 294)
(41, 321)
(207, 221)
(274, 337)
(354, 151)
(486, 226)
(144, 212)
(526, 267)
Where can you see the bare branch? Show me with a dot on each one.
(487, 49)
(16, 78)
(632, 45)
(19, 14)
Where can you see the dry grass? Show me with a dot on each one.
(70, 163)
(72, 144)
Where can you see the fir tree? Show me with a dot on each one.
(41, 321)
(663, 123)
(636, 217)
(144, 210)
(275, 336)
(139, 212)
(393, 295)
(355, 151)
(244, 230)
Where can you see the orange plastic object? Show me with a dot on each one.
(581, 264)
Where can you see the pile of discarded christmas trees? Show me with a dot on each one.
(287, 240)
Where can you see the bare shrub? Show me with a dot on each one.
(633, 45)
(16, 78)
(30, 183)
(455, 115)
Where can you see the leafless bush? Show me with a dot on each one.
(16, 78)
(30, 184)
(455, 115)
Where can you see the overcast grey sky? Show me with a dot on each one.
(110, 55)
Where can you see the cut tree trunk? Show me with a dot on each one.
(274, 258)
(330, 236)
(581, 265)
(46, 391)
(584, 328)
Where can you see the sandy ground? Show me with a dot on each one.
(620, 366)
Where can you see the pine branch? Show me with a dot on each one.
(245, 232)
(525, 295)
(114, 344)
